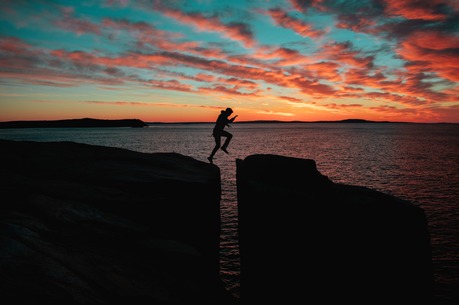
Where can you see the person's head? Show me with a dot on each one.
(229, 111)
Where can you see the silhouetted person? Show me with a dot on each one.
(219, 132)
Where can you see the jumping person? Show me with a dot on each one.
(222, 122)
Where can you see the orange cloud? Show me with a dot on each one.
(303, 29)
(230, 91)
(284, 56)
(239, 82)
(237, 31)
(205, 77)
(343, 53)
(433, 51)
(342, 106)
(356, 23)
(291, 99)
(143, 104)
(324, 70)
(415, 9)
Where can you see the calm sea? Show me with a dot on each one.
(418, 162)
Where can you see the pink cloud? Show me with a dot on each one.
(18, 47)
(400, 99)
(392, 113)
(291, 99)
(170, 85)
(239, 83)
(303, 5)
(415, 9)
(324, 70)
(128, 60)
(78, 26)
(44, 79)
(342, 106)
(139, 27)
(432, 52)
(230, 91)
(303, 29)
(146, 104)
(343, 53)
(119, 103)
(205, 77)
(237, 31)
(284, 56)
(357, 23)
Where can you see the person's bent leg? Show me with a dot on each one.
(227, 141)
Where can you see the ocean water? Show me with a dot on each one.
(417, 162)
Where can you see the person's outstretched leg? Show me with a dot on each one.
(217, 146)
(227, 141)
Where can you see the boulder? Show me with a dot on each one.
(305, 239)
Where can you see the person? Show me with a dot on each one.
(219, 132)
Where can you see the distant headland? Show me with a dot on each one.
(280, 122)
(89, 122)
(86, 122)
(287, 122)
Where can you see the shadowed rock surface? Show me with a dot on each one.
(83, 224)
(304, 239)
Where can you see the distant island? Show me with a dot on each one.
(86, 122)
(281, 122)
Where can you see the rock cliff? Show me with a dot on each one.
(304, 239)
(82, 224)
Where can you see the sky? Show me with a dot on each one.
(185, 61)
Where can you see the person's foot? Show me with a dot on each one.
(224, 149)
(210, 160)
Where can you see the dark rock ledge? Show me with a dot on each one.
(306, 240)
(82, 224)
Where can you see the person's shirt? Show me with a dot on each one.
(222, 121)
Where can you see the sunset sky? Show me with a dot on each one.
(176, 61)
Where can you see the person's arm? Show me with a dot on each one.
(232, 119)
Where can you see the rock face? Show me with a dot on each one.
(304, 239)
(82, 224)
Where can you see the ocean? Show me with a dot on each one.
(417, 162)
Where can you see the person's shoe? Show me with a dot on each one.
(224, 149)
(210, 160)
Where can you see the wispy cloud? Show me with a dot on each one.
(302, 28)
(237, 31)
(375, 57)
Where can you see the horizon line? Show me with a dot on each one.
(354, 120)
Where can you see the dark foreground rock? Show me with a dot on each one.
(306, 240)
(82, 224)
